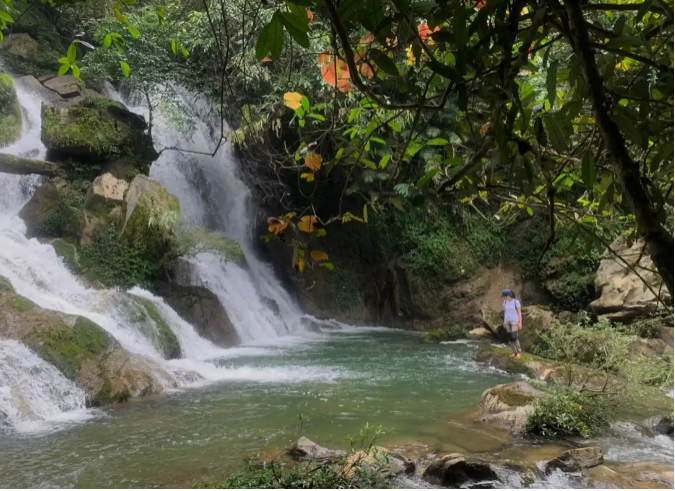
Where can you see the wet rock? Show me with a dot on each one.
(575, 460)
(21, 45)
(379, 459)
(453, 470)
(664, 426)
(307, 449)
(66, 86)
(537, 320)
(41, 206)
(622, 295)
(201, 308)
(633, 475)
(32, 84)
(154, 327)
(508, 405)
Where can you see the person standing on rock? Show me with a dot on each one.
(513, 319)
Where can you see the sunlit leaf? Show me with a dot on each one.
(313, 161)
(306, 223)
(308, 176)
(125, 68)
(319, 255)
(293, 100)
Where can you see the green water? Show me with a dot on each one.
(420, 393)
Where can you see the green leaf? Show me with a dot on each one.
(63, 70)
(174, 46)
(271, 38)
(76, 70)
(6, 17)
(371, 14)
(385, 63)
(72, 53)
(107, 41)
(555, 133)
(437, 142)
(64, 61)
(625, 42)
(529, 211)
(125, 68)
(328, 266)
(628, 123)
(133, 31)
(298, 35)
(354, 113)
(184, 51)
(316, 116)
(607, 199)
(427, 177)
(394, 125)
(643, 9)
(384, 161)
(552, 81)
(588, 170)
(349, 9)
(300, 23)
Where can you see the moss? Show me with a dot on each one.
(68, 219)
(88, 129)
(10, 113)
(6, 286)
(67, 252)
(20, 304)
(167, 339)
(440, 335)
(66, 347)
(512, 398)
(107, 394)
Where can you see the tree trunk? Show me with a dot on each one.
(659, 241)
(11, 164)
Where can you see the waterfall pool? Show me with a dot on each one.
(338, 382)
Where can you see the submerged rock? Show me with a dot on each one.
(622, 295)
(508, 405)
(200, 307)
(10, 113)
(453, 470)
(81, 350)
(575, 460)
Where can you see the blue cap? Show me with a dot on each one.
(506, 293)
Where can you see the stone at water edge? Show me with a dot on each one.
(454, 470)
(576, 459)
(305, 448)
(664, 426)
(632, 475)
(40, 207)
(479, 334)
(508, 405)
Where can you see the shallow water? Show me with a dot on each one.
(338, 382)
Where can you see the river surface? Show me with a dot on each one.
(338, 381)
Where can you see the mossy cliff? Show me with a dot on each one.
(148, 316)
(80, 349)
(10, 112)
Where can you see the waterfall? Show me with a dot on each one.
(213, 196)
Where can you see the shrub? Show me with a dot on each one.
(568, 413)
(68, 218)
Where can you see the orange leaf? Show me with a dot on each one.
(367, 71)
(344, 86)
(276, 225)
(324, 58)
(306, 223)
(310, 16)
(313, 161)
(367, 39)
(307, 175)
(485, 128)
(328, 74)
(343, 69)
(293, 100)
(319, 255)
(298, 264)
(424, 31)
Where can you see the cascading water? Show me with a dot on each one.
(213, 196)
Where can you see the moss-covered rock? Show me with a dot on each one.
(5, 285)
(82, 350)
(10, 112)
(509, 405)
(150, 214)
(24, 55)
(96, 129)
(67, 252)
(163, 337)
(440, 335)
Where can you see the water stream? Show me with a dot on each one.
(221, 404)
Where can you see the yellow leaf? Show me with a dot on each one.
(319, 255)
(276, 225)
(299, 264)
(293, 100)
(306, 223)
(307, 175)
(313, 161)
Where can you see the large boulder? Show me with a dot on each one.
(81, 350)
(508, 405)
(622, 295)
(10, 112)
(66, 86)
(20, 45)
(200, 307)
(575, 460)
(148, 320)
(664, 426)
(95, 129)
(305, 448)
(31, 84)
(106, 190)
(454, 471)
(55, 210)
(149, 213)
(537, 320)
